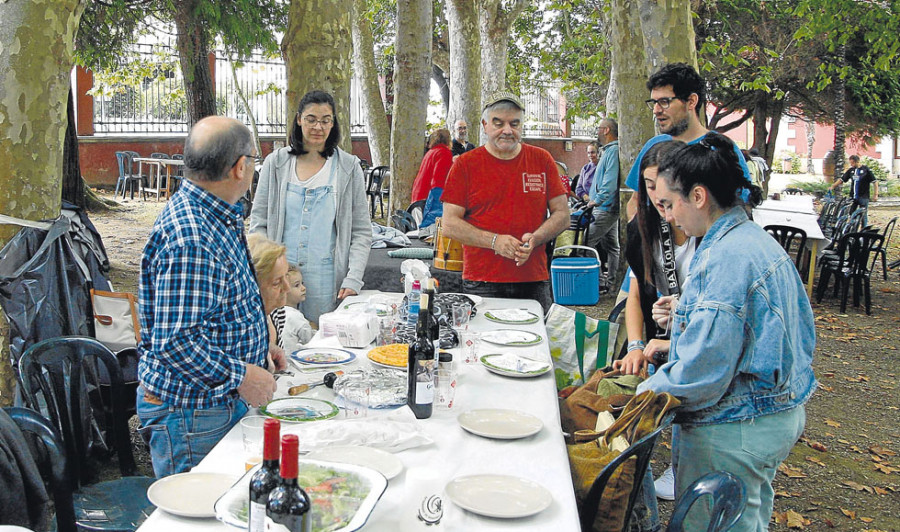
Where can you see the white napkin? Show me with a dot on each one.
(512, 314)
(513, 362)
(394, 432)
(508, 337)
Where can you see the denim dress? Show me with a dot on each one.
(309, 235)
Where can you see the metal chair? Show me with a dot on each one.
(729, 497)
(374, 188)
(786, 235)
(113, 505)
(850, 262)
(50, 457)
(641, 452)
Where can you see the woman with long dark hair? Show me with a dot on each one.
(743, 334)
(311, 198)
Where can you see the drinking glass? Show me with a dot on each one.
(445, 384)
(252, 431)
(461, 314)
(469, 341)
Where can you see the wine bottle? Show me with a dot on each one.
(289, 508)
(434, 328)
(266, 477)
(420, 376)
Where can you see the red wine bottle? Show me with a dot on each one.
(434, 328)
(266, 477)
(420, 383)
(289, 508)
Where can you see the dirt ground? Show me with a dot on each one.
(844, 474)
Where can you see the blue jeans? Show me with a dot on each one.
(751, 450)
(180, 437)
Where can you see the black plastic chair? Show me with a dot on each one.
(374, 188)
(887, 233)
(50, 457)
(127, 178)
(641, 452)
(729, 497)
(62, 377)
(580, 225)
(114, 505)
(792, 191)
(850, 263)
(785, 235)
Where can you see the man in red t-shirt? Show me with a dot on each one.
(495, 203)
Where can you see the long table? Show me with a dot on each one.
(454, 453)
(795, 212)
(383, 272)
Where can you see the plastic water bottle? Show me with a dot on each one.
(412, 302)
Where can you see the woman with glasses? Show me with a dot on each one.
(740, 358)
(311, 198)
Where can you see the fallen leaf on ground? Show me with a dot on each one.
(881, 451)
(818, 446)
(857, 486)
(795, 520)
(880, 491)
(887, 469)
(791, 472)
(849, 513)
(832, 423)
(815, 460)
(866, 519)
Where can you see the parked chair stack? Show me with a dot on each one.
(850, 262)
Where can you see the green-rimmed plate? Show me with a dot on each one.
(511, 337)
(511, 365)
(511, 316)
(299, 409)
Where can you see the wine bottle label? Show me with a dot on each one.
(272, 526)
(257, 517)
(424, 382)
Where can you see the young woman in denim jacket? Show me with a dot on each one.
(743, 335)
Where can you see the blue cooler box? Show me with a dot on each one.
(576, 280)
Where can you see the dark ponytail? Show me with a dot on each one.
(648, 218)
(713, 163)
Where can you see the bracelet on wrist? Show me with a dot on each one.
(494, 241)
(634, 345)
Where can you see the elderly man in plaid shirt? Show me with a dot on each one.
(203, 351)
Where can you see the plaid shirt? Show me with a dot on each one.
(201, 312)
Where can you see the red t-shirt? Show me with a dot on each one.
(433, 171)
(505, 197)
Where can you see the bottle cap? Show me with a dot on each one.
(289, 446)
(417, 285)
(444, 356)
(271, 430)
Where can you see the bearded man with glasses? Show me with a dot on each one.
(677, 97)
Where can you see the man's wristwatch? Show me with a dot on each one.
(635, 344)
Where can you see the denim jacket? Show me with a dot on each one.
(743, 335)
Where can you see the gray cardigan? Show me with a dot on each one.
(354, 229)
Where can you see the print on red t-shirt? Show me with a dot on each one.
(505, 197)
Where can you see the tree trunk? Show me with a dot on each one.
(760, 131)
(437, 74)
(36, 46)
(247, 108)
(317, 47)
(495, 22)
(612, 94)
(192, 42)
(810, 141)
(412, 68)
(465, 64)
(840, 97)
(72, 184)
(367, 74)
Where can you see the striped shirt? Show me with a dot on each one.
(201, 312)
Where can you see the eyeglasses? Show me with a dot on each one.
(311, 121)
(663, 103)
(255, 157)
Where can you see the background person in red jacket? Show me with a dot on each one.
(435, 166)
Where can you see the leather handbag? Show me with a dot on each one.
(605, 391)
(596, 449)
(116, 319)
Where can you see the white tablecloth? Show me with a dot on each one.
(541, 458)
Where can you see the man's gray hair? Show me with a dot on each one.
(210, 154)
(502, 105)
(612, 125)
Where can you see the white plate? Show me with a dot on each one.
(503, 364)
(499, 495)
(511, 316)
(190, 494)
(499, 423)
(511, 337)
(384, 462)
(323, 356)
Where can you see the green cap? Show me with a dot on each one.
(500, 96)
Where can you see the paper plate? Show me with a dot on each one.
(506, 364)
(299, 409)
(499, 423)
(500, 496)
(190, 494)
(384, 462)
(342, 507)
(511, 337)
(323, 356)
